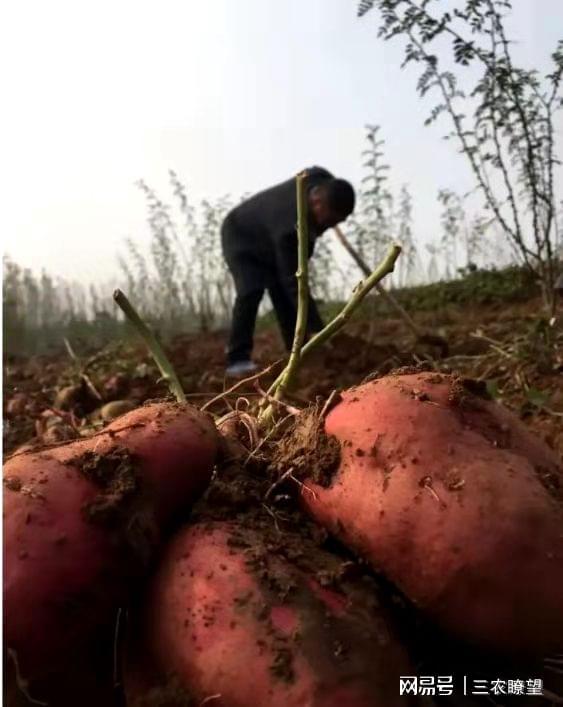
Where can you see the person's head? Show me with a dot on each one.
(331, 202)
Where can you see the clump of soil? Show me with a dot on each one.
(13, 483)
(467, 393)
(122, 503)
(115, 473)
(306, 451)
(476, 387)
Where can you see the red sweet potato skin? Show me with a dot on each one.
(453, 499)
(81, 523)
(255, 635)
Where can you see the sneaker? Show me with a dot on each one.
(241, 368)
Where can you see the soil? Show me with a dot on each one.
(121, 503)
(306, 451)
(125, 372)
(116, 476)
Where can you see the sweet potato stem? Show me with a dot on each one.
(302, 275)
(155, 349)
(363, 288)
(285, 379)
(395, 304)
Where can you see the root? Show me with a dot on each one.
(333, 399)
(116, 636)
(247, 420)
(239, 384)
(426, 483)
(279, 424)
(279, 482)
(271, 512)
(21, 682)
(270, 398)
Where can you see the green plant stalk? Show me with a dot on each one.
(401, 311)
(155, 349)
(421, 335)
(386, 266)
(302, 276)
(287, 376)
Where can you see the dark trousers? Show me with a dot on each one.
(245, 311)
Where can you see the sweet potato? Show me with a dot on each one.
(82, 521)
(229, 617)
(454, 500)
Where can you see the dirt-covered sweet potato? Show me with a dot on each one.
(453, 499)
(82, 521)
(231, 620)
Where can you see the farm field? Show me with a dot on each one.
(53, 399)
(499, 343)
(282, 354)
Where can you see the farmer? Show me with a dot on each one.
(259, 239)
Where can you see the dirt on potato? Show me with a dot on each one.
(305, 451)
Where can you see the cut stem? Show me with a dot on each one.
(401, 311)
(421, 336)
(386, 267)
(155, 349)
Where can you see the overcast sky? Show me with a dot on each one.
(232, 94)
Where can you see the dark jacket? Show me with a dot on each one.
(259, 236)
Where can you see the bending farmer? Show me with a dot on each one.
(259, 239)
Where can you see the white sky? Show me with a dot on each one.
(232, 94)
